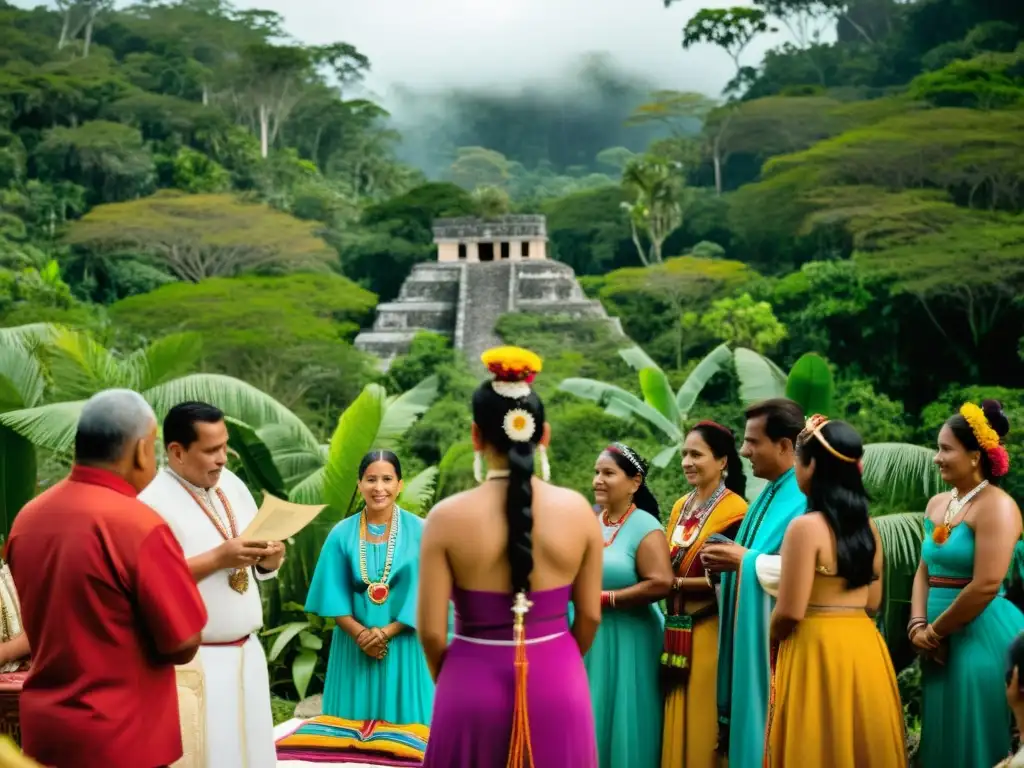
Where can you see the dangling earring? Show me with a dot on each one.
(725, 474)
(478, 466)
(545, 465)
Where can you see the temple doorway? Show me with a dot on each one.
(485, 251)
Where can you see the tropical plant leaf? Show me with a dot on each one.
(901, 535)
(618, 402)
(80, 367)
(302, 670)
(658, 393)
(901, 475)
(236, 398)
(50, 426)
(17, 476)
(28, 336)
(294, 458)
(810, 384)
(760, 378)
(164, 359)
(255, 457)
(636, 358)
(714, 362)
(455, 470)
(664, 456)
(356, 434)
(403, 410)
(285, 634)
(21, 381)
(418, 493)
(310, 490)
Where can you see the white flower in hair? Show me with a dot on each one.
(514, 390)
(519, 425)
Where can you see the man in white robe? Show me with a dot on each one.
(207, 507)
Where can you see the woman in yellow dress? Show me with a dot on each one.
(834, 699)
(690, 657)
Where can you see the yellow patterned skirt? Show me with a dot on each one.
(691, 710)
(834, 700)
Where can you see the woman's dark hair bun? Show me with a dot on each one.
(996, 417)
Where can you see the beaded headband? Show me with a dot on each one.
(813, 428)
(988, 438)
(629, 455)
(715, 425)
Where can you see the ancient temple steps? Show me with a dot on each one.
(465, 300)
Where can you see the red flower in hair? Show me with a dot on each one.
(1000, 461)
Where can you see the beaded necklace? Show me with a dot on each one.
(941, 533)
(239, 578)
(691, 521)
(615, 526)
(379, 590)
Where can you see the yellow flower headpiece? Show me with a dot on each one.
(987, 437)
(513, 368)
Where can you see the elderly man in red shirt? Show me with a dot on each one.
(108, 603)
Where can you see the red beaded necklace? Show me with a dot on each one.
(617, 526)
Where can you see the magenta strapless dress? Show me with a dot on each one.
(472, 721)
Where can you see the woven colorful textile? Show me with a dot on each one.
(373, 742)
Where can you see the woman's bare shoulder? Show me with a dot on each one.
(567, 500)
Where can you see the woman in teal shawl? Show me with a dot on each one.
(366, 580)
(624, 663)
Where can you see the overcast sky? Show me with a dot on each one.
(439, 43)
(431, 44)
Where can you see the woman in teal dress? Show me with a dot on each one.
(623, 663)
(366, 580)
(961, 624)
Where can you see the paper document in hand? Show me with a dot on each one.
(278, 520)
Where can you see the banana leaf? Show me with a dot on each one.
(256, 458)
(810, 384)
(714, 362)
(618, 402)
(760, 378)
(658, 393)
(403, 410)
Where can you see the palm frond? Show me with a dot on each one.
(714, 362)
(901, 475)
(51, 427)
(403, 410)
(760, 378)
(28, 336)
(294, 458)
(418, 493)
(80, 366)
(21, 380)
(167, 358)
(901, 536)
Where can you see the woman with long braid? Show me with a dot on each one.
(511, 553)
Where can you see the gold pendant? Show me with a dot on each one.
(239, 580)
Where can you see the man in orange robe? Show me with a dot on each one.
(108, 603)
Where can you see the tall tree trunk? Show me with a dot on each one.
(88, 34)
(206, 95)
(64, 30)
(264, 131)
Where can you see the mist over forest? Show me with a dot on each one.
(561, 122)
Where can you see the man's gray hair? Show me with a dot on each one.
(111, 421)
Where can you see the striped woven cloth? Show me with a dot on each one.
(373, 742)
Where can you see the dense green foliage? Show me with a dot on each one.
(181, 166)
